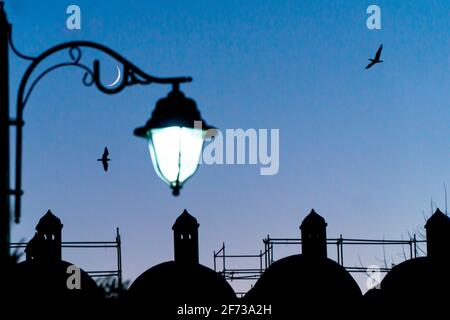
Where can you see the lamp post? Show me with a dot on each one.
(175, 131)
(4, 141)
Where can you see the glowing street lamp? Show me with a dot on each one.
(175, 134)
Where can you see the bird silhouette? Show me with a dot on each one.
(376, 59)
(104, 159)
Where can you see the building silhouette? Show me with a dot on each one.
(185, 239)
(420, 284)
(296, 286)
(314, 236)
(169, 285)
(42, 279)
(438, 238)
(308, 283)
(46, 244)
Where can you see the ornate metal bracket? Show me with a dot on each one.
(131, 75)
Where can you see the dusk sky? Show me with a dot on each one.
(368, 149)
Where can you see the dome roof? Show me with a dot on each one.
(297, 283)
(416, 282)
(35, 281)
(416, 277)
(179, 283)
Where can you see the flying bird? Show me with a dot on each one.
(104, 159)
(376, 59)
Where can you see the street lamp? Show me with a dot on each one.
(175, 131)
(175, 134)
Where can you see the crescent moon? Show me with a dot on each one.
(118, 78)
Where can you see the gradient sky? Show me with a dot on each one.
(367, 149)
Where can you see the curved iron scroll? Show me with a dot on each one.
(131, 75)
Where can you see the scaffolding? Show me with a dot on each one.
(266, 256)
(116, 244)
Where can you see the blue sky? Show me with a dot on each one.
(367, 149)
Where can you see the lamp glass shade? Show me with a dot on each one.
(175, 152)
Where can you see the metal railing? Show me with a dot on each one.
(266, 257)
(117, 244)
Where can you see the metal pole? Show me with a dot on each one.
(265, 253)
(223, 255)
(119, 258)
(4, 139)
(415, 246)
(338, 252)
(270, 253)
(410, 248)
(260, 262)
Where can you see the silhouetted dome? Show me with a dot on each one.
(35, 282)
(170, 284)
(296, 285)
(48, 222)
(185, 220)
(313, 220)
(165, 287)
(417, 280)
(45, 284)
(195, 283)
